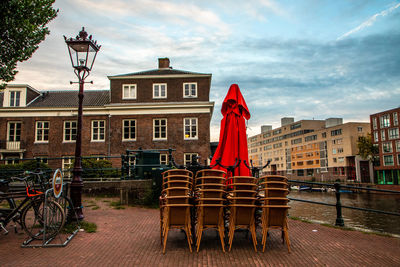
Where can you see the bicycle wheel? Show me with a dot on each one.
(36, 218)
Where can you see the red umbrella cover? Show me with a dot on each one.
(232, 138)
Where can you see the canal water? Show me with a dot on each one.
(352, 218)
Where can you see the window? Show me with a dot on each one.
(190, 128)
(383, 135)
(98, 130)
(15, 98)
(374, 124)
(11, 160)
(334, 160)
(295, 126)
(360, 129)
(310, 138)
(395, 119)
(398, 147)
(160, 90)
(70, 129)
(42, 131)
(188, 157)
(334, 151)
(14, 132)
(323, 135)
(385, 121)
(43, 159)
(67, 167)
(393, 133)
(387, 147)
(189, 90)
(296, 141)
(160, 129)
(340, 159)
(340, 150)
(376, 139)
(129, 91)
(336, 132)
(129, 130)
(163, 159)
(388, 160)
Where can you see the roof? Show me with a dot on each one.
(158, 72)
(70, 99)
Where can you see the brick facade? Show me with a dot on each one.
(108, 106)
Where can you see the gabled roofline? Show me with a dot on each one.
(119, 77)
(23, 85)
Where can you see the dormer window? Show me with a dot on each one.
(189, 90)
(160, 90)
(129, 91)
(15, 98)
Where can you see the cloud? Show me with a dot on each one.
(369, 22)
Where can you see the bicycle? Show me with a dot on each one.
(39, 217)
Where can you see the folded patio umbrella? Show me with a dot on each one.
(232, 144)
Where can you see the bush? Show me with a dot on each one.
(9, 170)
(93, 168)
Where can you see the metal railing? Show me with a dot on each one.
(338, 187)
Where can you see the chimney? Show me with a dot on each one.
(163, 63)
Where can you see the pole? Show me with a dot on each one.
(339, 218)
(77, 183)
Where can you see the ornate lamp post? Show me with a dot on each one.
(82, 51)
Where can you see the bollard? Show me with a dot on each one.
(339, 218)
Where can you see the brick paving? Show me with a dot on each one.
(130, 237)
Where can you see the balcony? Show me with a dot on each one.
(11, 146)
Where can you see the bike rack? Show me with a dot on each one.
(48, 242)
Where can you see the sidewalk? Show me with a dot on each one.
(130, 237)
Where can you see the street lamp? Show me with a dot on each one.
(82, 51)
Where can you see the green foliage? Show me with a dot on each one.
(22, 28)
(93, 168)
(366, 147)
(9, 170)
(72, 226)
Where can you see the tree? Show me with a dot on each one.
(366, 148)
(22, 28)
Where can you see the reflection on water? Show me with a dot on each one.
(354, 218)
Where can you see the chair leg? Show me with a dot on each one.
(253, 235)
(231, 234)
(165, 238)
(221, 236)
(199, 234)
(188, 238)
(265, 238)
(287, 239)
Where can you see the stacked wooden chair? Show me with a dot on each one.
(175, 204)
(209, 199)
(242, 192)
(275, 206)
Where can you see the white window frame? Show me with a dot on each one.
(159, 96)
(130, 127)
(398, 147)
(190, 137)
(393, 133)
(67, 165)
(395, 119)
(383, 135)
(384, 121)
(384, 161)
(160, 130)
(15, 131)
(387, 147)
(14, 100)
(190, 95)
(132, 91)
(70, 129)
(97, 131)
(187, 158)
(43, 130)
(376, 137)
(163, 161)
(374, 123)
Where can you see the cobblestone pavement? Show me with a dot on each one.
(130, 237)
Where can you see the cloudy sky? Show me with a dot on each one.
(304, 59)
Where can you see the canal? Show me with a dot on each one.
(352, 218)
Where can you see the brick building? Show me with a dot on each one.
(320, 149)
(155, 109)
(385, 132)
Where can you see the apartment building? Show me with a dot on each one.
(318, 149)
(385, 132)
(155, 109)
